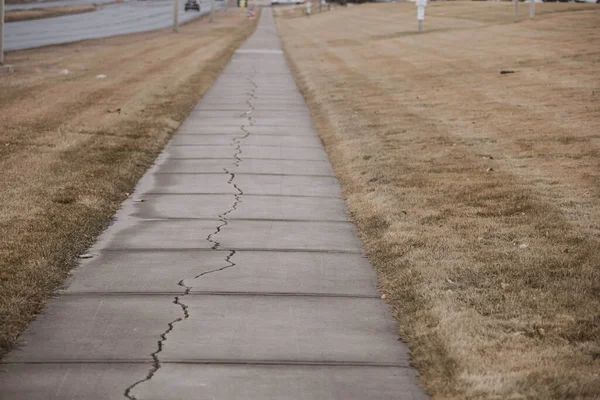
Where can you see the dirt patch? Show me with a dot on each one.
(72, 146)
(39, 13)
(475, 191)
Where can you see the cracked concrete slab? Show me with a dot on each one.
(287, 328)
(263, 140)
(237, 235)
(283, 382)
(96, 328)
(262, 90)
(249, 151)
(255, 272)
(141, 271)
(249, 166)
(258, 102)
(255, 114)
(242, 106)
(257, 122)
(304, 273)
(285, 167)
(189, 127)
(225, 328)
(72, 381)
(252, 207)
(230, 273)
(105, 382)
(285, 185)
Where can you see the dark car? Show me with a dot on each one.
(192, 5)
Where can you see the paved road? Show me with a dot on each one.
(238, 277)
(116, 19)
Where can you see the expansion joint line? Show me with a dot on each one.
(215, 244)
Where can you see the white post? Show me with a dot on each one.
(1, 32)
(421, 4)
(212, 10)
(175, 15)
(532, 9)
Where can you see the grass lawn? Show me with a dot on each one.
(72, 146)
(50, 12)
(470, 159)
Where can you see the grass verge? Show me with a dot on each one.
(469, 159)
(73, 146)
(50, 12)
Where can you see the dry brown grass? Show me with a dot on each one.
(299, 11)
(475, 193)
(27, 1)
(73, 146)
(50, 12)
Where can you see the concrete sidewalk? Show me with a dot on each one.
(233, 273)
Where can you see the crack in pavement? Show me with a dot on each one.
(155, 359)
(236, 141)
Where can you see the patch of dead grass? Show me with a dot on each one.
(28, 1)
(475, 193)
(68, 158)
(49, 12)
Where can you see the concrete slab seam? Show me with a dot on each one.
(262, 145)
(250, 158)
(260, 249)
(281, 363)
(248, 173)
(245, 194)
(217, 293)
(306, 221)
